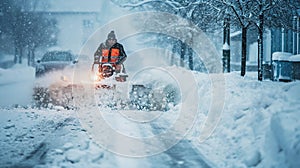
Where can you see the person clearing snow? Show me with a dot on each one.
(109, 57)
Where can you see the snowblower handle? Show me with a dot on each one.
(94, 66)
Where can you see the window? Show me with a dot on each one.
(88, 24)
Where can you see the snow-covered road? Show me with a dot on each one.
(55, 138)
(259, 127)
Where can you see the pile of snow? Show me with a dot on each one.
(285, 132)
(259, 127)
(16, 85)
(285, 140)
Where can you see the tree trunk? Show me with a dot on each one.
(244, 51)
(182, 53)
(260, 48)
(174, 51)
(28, 56)
(16, 55)
(190, 57)
(172, 62)
(20, 55)
(32, 57)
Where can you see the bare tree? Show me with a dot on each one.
(239, 12)
(200, 13)
(261, 14)
(208, 14)
(25, 28)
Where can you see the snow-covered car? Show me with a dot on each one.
(54, 60)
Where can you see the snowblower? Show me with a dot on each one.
(108, 73)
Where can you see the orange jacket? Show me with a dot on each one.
(113, 55)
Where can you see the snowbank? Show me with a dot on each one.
(285, 129)
(16, 85)
(259, 126)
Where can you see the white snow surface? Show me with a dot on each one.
(295, 58)
(281, 56)
(226, 46)
(16, 85)
(259, 126)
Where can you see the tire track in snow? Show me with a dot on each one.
(38, 154)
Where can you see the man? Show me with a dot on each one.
(111, 52)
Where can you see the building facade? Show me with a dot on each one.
(287, 40)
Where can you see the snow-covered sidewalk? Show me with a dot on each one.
(259, 126)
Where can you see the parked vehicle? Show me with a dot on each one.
(54, 60)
